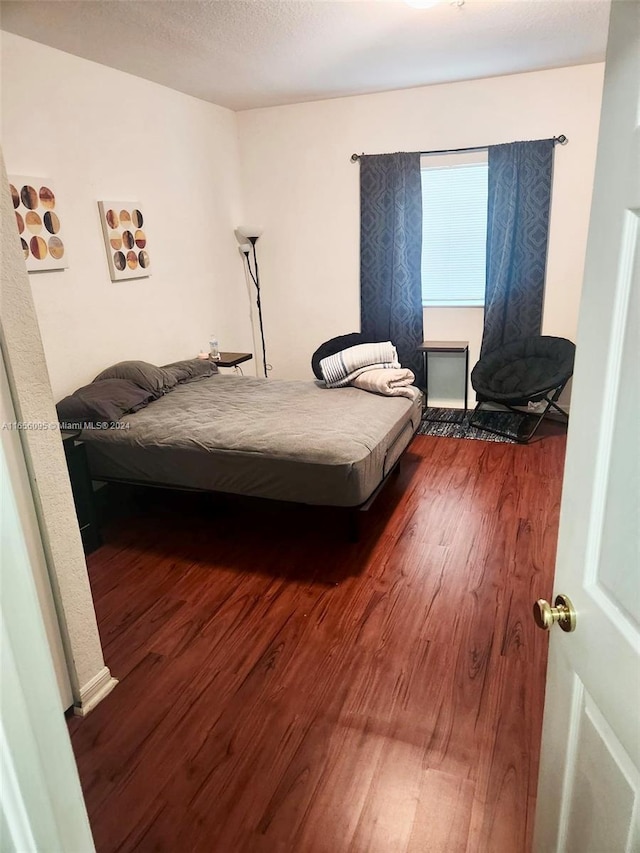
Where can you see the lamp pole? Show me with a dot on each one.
(248, 249)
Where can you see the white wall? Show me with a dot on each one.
(102, 134)
(299, 183)
(32, 403)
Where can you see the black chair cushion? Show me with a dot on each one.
(334, 345)
(524, 371)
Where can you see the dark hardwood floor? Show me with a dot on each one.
(283, 689)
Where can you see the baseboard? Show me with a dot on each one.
(442, 403)
(556, 416)
(94, 691)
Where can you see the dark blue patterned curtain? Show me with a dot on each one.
(517, 229)
(390, 253)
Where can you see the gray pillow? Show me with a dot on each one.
(148, 376)
(190, 369)
(103, 401)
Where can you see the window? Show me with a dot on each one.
(454, 229)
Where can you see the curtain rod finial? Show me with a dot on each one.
(355, 158)
(562, 139)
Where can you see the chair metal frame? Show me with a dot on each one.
(538, 397)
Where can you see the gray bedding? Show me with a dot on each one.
(285, 440)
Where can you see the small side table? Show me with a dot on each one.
(445, 346)
(233, 359)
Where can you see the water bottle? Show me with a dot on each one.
(214, 352)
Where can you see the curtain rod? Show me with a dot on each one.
(557, 140)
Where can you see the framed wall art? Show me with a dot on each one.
(40, 223)
(125, 239)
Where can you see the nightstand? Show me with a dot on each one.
(445, 346)
(233, 359)
(75, 453)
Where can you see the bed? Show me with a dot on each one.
(284, 440)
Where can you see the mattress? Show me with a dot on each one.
(285, 440)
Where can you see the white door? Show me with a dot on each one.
(41, 804)
(589, 789)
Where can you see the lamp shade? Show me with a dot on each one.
(249, 232)
(245, 248)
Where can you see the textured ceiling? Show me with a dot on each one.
(254, 53)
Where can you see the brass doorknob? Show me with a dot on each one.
(563, 613)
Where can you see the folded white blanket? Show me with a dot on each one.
(392, 382)
(340, 369)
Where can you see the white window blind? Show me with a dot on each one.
(454, 234)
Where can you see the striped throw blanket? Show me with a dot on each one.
(340, 369)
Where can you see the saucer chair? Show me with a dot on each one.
(530, 370)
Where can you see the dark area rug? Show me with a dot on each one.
(451, 423)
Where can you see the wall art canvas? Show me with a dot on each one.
(125, 238)
(40, 223)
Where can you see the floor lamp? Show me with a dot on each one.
(251, 233)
